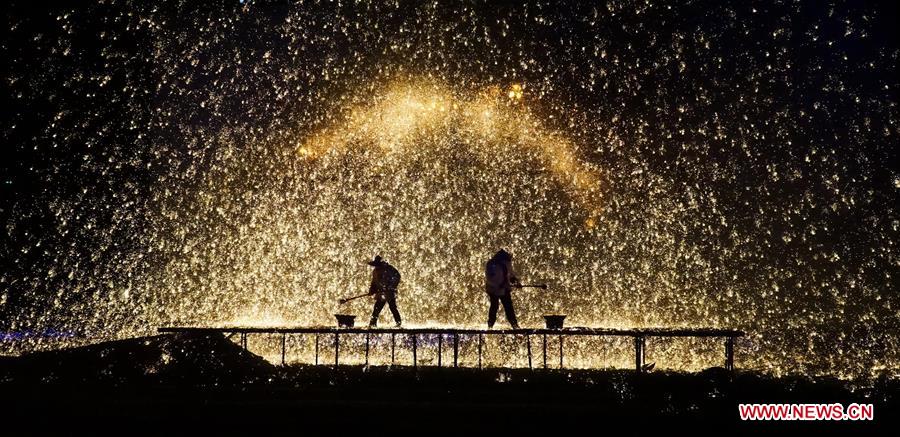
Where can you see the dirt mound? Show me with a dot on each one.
(191, 358)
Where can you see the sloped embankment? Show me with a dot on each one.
(197, 360)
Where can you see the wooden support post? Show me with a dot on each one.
(545, 350)
(337, 347)
(639, 353)
(729, 353)
(283, 340)
(367, 348)
(317, 349)
(455, 349)
(393, 344)
(415, 348)
(560, 351)
(528, 347)
(440, 344)
(643, 352)
(479, 350)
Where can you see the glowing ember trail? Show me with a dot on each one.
(238, 165)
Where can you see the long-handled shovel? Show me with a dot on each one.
(348, 299)
(541, 286)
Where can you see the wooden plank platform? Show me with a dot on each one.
(640, 336)
(646, 332)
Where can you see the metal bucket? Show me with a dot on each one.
(344, 320)
(554, 321)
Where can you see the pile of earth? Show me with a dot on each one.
(196, 360)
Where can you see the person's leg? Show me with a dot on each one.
(492, 310)
(379, 304)
(509, 311)
(392, 304)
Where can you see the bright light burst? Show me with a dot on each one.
(421, 116)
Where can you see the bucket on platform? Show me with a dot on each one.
(554, 321)
(344, 320)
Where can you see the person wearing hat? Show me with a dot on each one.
(385, 279)
(499, 282)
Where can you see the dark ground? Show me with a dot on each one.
(176, 384)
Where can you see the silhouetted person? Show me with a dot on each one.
(385, 279)
(499, 280)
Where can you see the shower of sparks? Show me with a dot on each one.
(657, 164)
(408, 120)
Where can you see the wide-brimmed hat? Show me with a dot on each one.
(377, 261)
